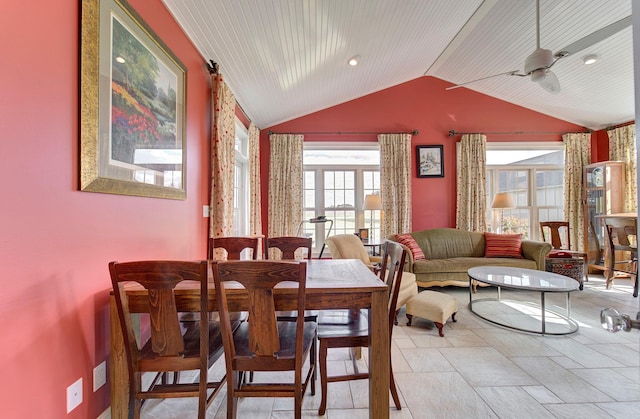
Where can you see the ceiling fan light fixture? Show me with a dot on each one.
(539, 59)
(539, 75)
(590, 59)
(550, 82)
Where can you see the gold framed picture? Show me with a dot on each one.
(132, 104)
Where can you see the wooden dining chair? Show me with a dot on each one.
(560, 238)
(621, 236)
(287, 245)
(234, 246)
(172, 346)
(263, 343)
(354, 332)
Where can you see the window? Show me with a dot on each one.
(533, 174)
(337, 176)
(241, 182)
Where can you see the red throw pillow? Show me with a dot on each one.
(410, 242)
(503, 245)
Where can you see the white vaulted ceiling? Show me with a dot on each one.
(288, 58)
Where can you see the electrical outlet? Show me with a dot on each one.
(99, 376)
(74, 395)
(205, 211)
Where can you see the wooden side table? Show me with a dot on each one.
(373, 247)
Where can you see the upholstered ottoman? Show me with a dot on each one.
(434, 306)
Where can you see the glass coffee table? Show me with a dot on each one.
(519, 314)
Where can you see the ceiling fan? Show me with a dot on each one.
(538, 64)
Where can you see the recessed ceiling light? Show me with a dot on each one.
(590, 59)
(354, 60)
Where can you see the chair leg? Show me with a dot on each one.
(297, 409)
(394, 390)
(232, 400)
(137, 405)
(409, 319)
(202, 394)
(314, 365)
(323, 379)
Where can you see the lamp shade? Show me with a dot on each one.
(502, 200)
(372, 202)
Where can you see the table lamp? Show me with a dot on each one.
(372, 202)
(501, 201)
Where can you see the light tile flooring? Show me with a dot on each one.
(479, 370)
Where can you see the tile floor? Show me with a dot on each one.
(479, 370)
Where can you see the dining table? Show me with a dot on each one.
(331, 284)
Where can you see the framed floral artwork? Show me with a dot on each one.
(430, 162)
(132, 106)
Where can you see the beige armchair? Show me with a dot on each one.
(349, 246)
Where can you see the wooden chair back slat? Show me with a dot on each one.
(559, 233)
(234, 246)
(288, 245)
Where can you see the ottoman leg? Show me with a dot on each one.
(453, 317)
(409, 318)
(439, 326)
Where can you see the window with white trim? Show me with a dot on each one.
(337, 176)
(241, 182)
(533, 174)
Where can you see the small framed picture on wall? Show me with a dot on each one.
(430, 160)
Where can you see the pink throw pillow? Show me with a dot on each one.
(503, 245)
(410, 242)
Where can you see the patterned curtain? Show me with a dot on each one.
(255, 212)
(222, 159)
(622, 147)
(471, 201)
(577, 154)
(285, 184)
(395, 178)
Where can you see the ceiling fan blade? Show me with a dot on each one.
(550, 83)
(595, 37)
(509, 73)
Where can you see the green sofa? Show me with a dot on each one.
(451, 252)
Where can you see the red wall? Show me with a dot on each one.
(425, 105)
(55, 242)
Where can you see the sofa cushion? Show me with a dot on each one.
(462, 265)
(444, 243)
(410, 242)
(503, 245)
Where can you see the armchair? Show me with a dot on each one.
(349, 246)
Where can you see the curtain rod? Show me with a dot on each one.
(624, 124)
(453, 133)
(414, 132)
(214, 68)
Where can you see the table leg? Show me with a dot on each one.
(379, 356)
(118, 366)
(544, 324)
(568, 305)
